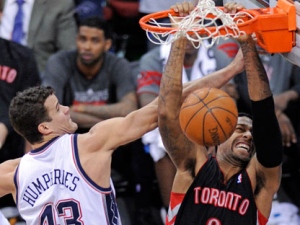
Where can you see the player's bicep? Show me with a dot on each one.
(101, 137)
(263, 178)
(265, 183)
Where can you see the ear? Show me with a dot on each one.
(44, 129)
(108, 44)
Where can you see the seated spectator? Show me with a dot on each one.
(93, 81)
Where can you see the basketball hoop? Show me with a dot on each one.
(274, 28)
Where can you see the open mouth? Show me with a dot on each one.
(243, 146)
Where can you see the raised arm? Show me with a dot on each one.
(170, 99)
(265, 167)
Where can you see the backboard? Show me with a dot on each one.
(294, 55)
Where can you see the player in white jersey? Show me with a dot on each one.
(51, 179)
(66, 179)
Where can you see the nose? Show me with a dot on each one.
(247, 135)
(66, 109)
(87, 45)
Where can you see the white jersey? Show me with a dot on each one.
(52, 188)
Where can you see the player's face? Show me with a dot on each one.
(61, 120)
(91, 45)
(240, 145)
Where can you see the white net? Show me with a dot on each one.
(197, 26)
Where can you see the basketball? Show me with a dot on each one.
(208, 116)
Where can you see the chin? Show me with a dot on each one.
(75, 127)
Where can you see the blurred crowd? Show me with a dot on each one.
(44, 42)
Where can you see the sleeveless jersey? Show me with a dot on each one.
(52, 188)
(210, 201)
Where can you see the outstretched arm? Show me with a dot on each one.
(112, 133)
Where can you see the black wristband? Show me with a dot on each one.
(266, 133)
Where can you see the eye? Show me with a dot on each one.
(81, 38)
(95, 41)
(240, 129)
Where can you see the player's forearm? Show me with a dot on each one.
(266, 132)
(146, 98)
(258, 83)
(218, 78)
(171, 82)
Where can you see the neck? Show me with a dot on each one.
(44, 141)
(228, 168)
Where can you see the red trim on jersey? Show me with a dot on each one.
(175, 202)
(261, 219)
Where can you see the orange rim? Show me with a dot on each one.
(144, 22)
(275, 28)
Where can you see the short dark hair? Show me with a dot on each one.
(244, 114)
(99, 23)
(27, 110)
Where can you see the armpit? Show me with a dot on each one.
(260, 182)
